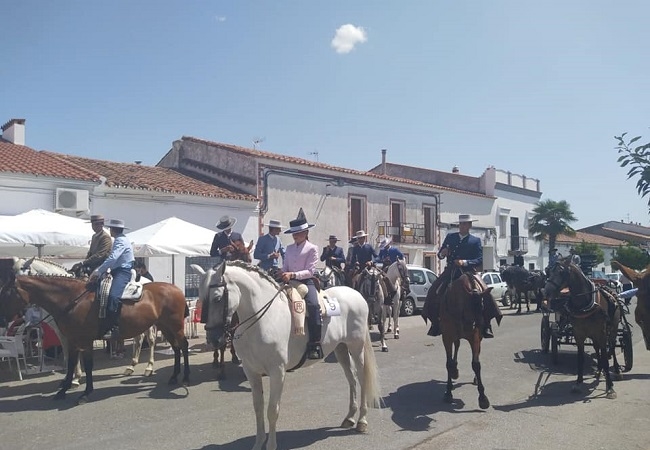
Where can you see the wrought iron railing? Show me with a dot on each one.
(403, 232)
(518, 243)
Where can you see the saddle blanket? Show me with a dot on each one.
(296, 292)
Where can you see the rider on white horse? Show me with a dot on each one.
(333, 256)
(299, 263)
(387, 256)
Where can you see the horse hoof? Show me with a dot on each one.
(82, 400)
(384, 349)
(128, 371)
(396, 334)
(389, 330)
(148, 372)
(347, 423)
(74, 384)
(186, 383)
(611, 394)
(483, 402)
(362, 427)
(448, 398)
(59, 396)
(454, 374)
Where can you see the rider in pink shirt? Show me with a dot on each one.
(299, 263)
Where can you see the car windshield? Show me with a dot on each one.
(612, 276)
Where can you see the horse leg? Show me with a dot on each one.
(137, 347)
(343, 357)
(215, 358)
(276, 385)
(396, 307)
(452, 368)
(76, 377)
(382, 331)
(388, 314)
(580, 343)
(151, 337)
(233, 354)
(221, 364)
(255, 380)
(475, 344)
(185, 348)
(88, 367)
(518, 296)
(527, 301)
(603, 362)
(73, 358)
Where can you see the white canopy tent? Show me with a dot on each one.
(44, 233)
(171, 236)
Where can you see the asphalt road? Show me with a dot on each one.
(532, 406)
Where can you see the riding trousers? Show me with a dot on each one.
(121, 277)
(311, 299)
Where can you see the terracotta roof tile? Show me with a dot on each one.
(319, 165)
(589, 238)
(151, 178)
(25, 160)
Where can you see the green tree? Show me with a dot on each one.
(631, 256)
(550, 219)
(638, 160)
(593, 250)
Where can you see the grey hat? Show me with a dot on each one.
(226, 222)
(274, 224)
(465, 218)
(116, 223)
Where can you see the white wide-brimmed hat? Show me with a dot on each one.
(360, 234)
(333, 238)
(226, 222)
(465, 218)
(116, 223)
(385, 241)
(274, 224)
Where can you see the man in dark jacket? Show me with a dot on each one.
(223, 243)
(100, 248)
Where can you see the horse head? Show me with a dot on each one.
(641, 281)
(214, 296)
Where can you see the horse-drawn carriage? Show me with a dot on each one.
(556, 328)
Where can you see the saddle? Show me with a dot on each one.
(132, 292)
(296, 292)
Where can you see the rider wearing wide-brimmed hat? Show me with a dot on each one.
(269, 247)
(363, 255)
(100, 247)
(299, 263)
(120, 261)
(332, 254)
(464, 253)
(222, 244)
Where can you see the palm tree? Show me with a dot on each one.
(550, 219)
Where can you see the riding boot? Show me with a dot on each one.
(487, 331)
(114, 320)
(314, 349)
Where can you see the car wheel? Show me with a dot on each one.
(408, 307)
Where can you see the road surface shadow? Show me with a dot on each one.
(286, 439)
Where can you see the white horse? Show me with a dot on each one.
(329, 277)
(372, 291)
(50, 268)
(397, 276)
(267, 345)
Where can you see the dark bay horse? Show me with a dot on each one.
(76, 312)
(641, 281)
(593, 313)
(521, 281)
(460, 313)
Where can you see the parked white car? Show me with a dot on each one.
(420, 279)
(616, 281)
(499, 287)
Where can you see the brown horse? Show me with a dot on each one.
(641, 281)
(73, 307)
(460, 317)
(593, 313)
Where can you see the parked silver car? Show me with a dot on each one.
(420, 279)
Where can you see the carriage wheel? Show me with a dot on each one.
(626, 344)
(554, 346)
(545, 334)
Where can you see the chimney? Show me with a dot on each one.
(14, 131)
(455, 169)
(383, 161)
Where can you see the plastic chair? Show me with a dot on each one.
(12, 347)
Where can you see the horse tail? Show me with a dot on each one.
(370, 375)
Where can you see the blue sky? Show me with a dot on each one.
(537, 88)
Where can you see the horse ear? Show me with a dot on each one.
(198, 269)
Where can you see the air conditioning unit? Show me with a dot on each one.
(72, 200)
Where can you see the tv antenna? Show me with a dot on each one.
(315, 154)
(257, 141)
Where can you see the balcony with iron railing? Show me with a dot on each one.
(404, 232)
(518, 243)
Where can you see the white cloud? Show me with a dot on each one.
(220, 18)
(347, 37)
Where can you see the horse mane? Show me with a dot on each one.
(20, 262)
(255, 269)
